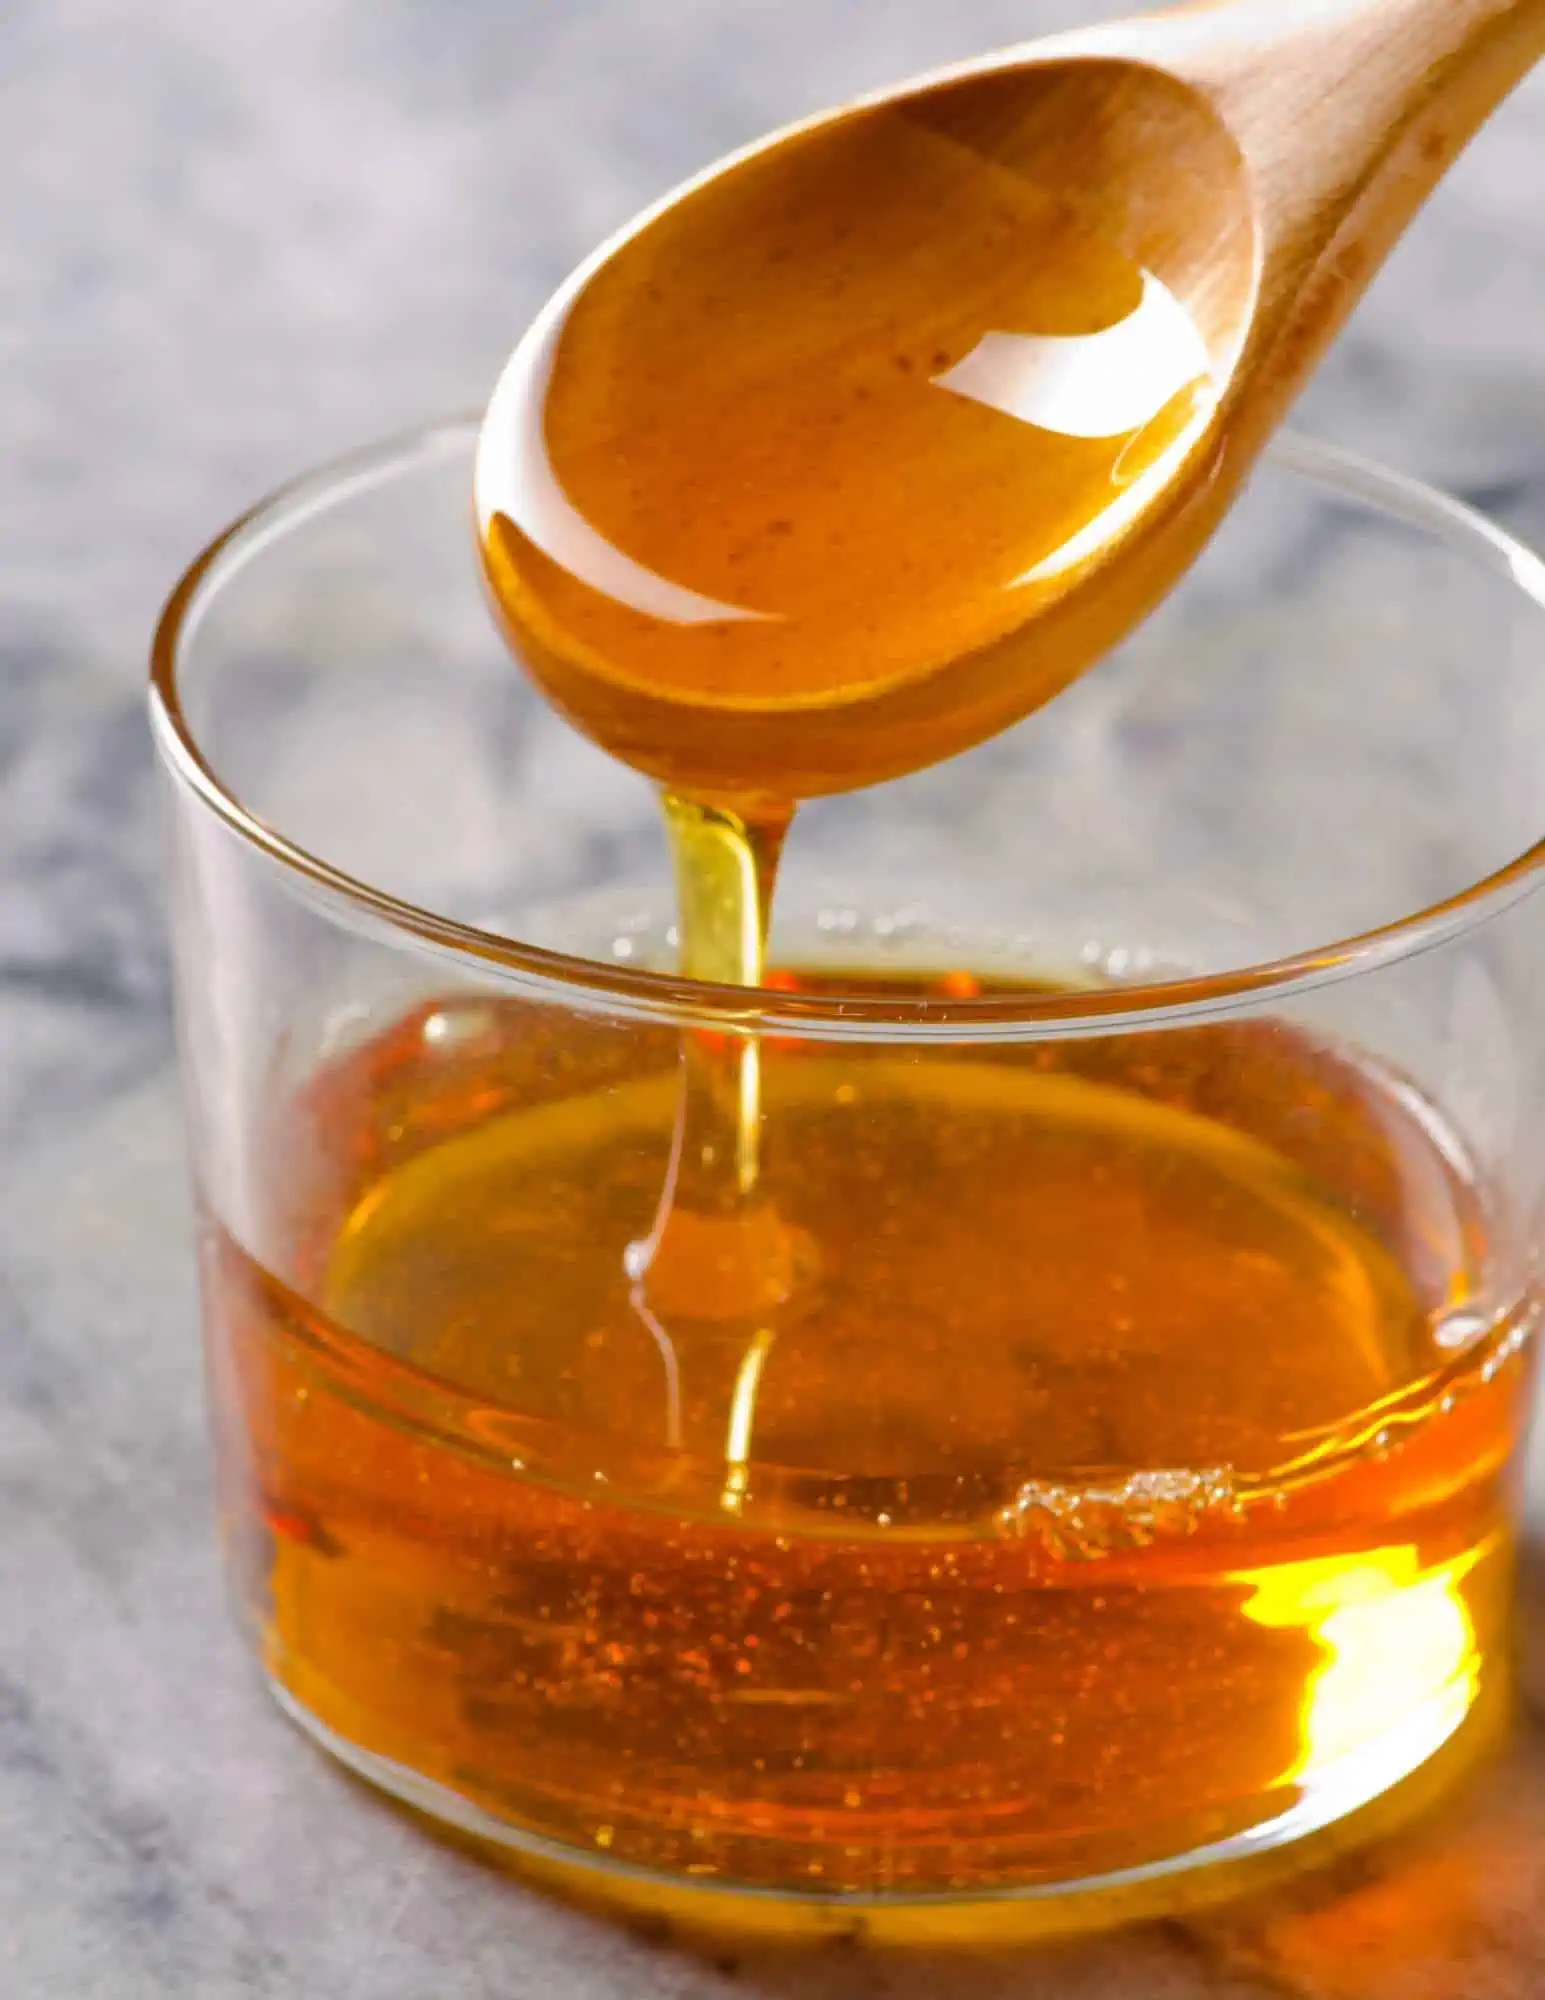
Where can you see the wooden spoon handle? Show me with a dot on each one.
(1386, 93)
(1350, 77)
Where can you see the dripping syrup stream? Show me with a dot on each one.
(726, 873)
(719, 1259)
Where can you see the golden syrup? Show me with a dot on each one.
(1131, 1470)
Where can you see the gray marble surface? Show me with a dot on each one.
(233, 240)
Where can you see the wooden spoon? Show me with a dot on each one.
(865, 442)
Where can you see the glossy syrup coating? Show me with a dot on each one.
(850, 414)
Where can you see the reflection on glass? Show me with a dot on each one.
(737, 1447)
(1401, 1662)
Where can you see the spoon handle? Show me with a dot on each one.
(1351, 77)
(1348, 113)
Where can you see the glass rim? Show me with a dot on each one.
(1004, 1014)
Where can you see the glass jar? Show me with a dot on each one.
(1133, 1500)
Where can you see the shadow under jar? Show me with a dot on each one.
(1129, 1483)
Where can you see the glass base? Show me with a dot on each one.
(1369, 1797)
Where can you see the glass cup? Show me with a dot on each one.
(1131, 1494)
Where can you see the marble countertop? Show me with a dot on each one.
(232, 241)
